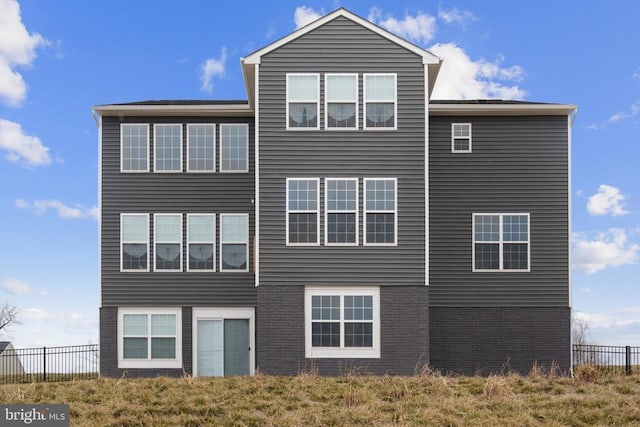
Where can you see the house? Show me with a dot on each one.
(10, 363)
(337, 220)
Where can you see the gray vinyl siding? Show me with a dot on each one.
(342, 46)
(518, 164)
(172, 193)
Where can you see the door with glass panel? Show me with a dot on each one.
(223, 347)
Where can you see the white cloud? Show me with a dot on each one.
(40, 207)
(211, 68)
(418, 28)
(17, 48)
(70, 322)
(586, 290)
(605, 250)
(17, 287)
(621, 115)
(608, 200)
(304, 15)
(456, 16)
(636, 74)
(21, 148)
(463, 78)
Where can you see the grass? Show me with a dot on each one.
(590, 398)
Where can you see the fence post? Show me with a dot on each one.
(44, 363)
(627, 361)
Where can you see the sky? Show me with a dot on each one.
(58, 59)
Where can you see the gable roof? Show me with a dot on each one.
(4, 345)
(250, 61)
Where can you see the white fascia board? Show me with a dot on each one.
(240, 110)
(501, 109)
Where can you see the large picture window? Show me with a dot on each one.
(303, 211)
(342, 322)
(201, 142)
(201, 235)
(380, 101)
(134, 147)
(380, 211)
(501, 242)
(303, 101)
(341, 101)
(167, 148)
(168, 242)
(234, 242)
(134, 242)
(341, 211)
(234, 147)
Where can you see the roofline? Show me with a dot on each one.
(501, 109)
(239, 110)
(427, 57)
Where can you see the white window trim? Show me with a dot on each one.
(156, 241)
(317, 101)
(122, 215)
(365, 101)
(317, 211)
(122, 169)
(246, 159)
(155, 146)
(342, 352)
(246, 243)
(213, 126)
(327, 212)
(212, 313)
(366, 211)
(500, 243)
(212, 242)
(454, 137)
(341, 101)
(150, 363)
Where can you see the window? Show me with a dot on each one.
(461, 137)
(134, 148)
(501, 242)
(167, 147)
(303, 211)
(134, 241)
(201, 235)
(380, 211)
(149, 338)
(342, 322)
(380, 101)
(341, 211)
(341, 101)
(303, 101)
(234, 242)
(201, 142)
(234, 147)
(168, 242)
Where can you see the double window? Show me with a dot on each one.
(501, 242)
(380, 101)
(303, 211)
(234, 242)
(341, 211)
(149, 338)
(168, 242)
(167, 148)
(461, 137)
(134, 148)
(134, 242)
(342, 322)
(201, 237)
(303, 101)
(201, 148)
(341, 101)
(234, 147)
(380, 211)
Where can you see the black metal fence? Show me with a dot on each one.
(617, 359)
(49, 363)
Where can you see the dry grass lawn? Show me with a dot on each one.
(310, 400)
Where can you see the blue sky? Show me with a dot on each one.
(57, 59)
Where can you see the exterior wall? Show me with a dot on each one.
(172, 193)
(517, 164)
(470, 340)
(342, 46)
(404, 334)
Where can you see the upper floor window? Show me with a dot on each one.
(380, 211)
(234, 242)
(461, 137)
(303, 211)
(303, 101)
(201, 152)
(134, 147)
(341, 211)
(167, 140)
(134, 241)
(341, 101)
(201, 236)
(234, 147)
(501, 242)
(168, 242)
(380, 101)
